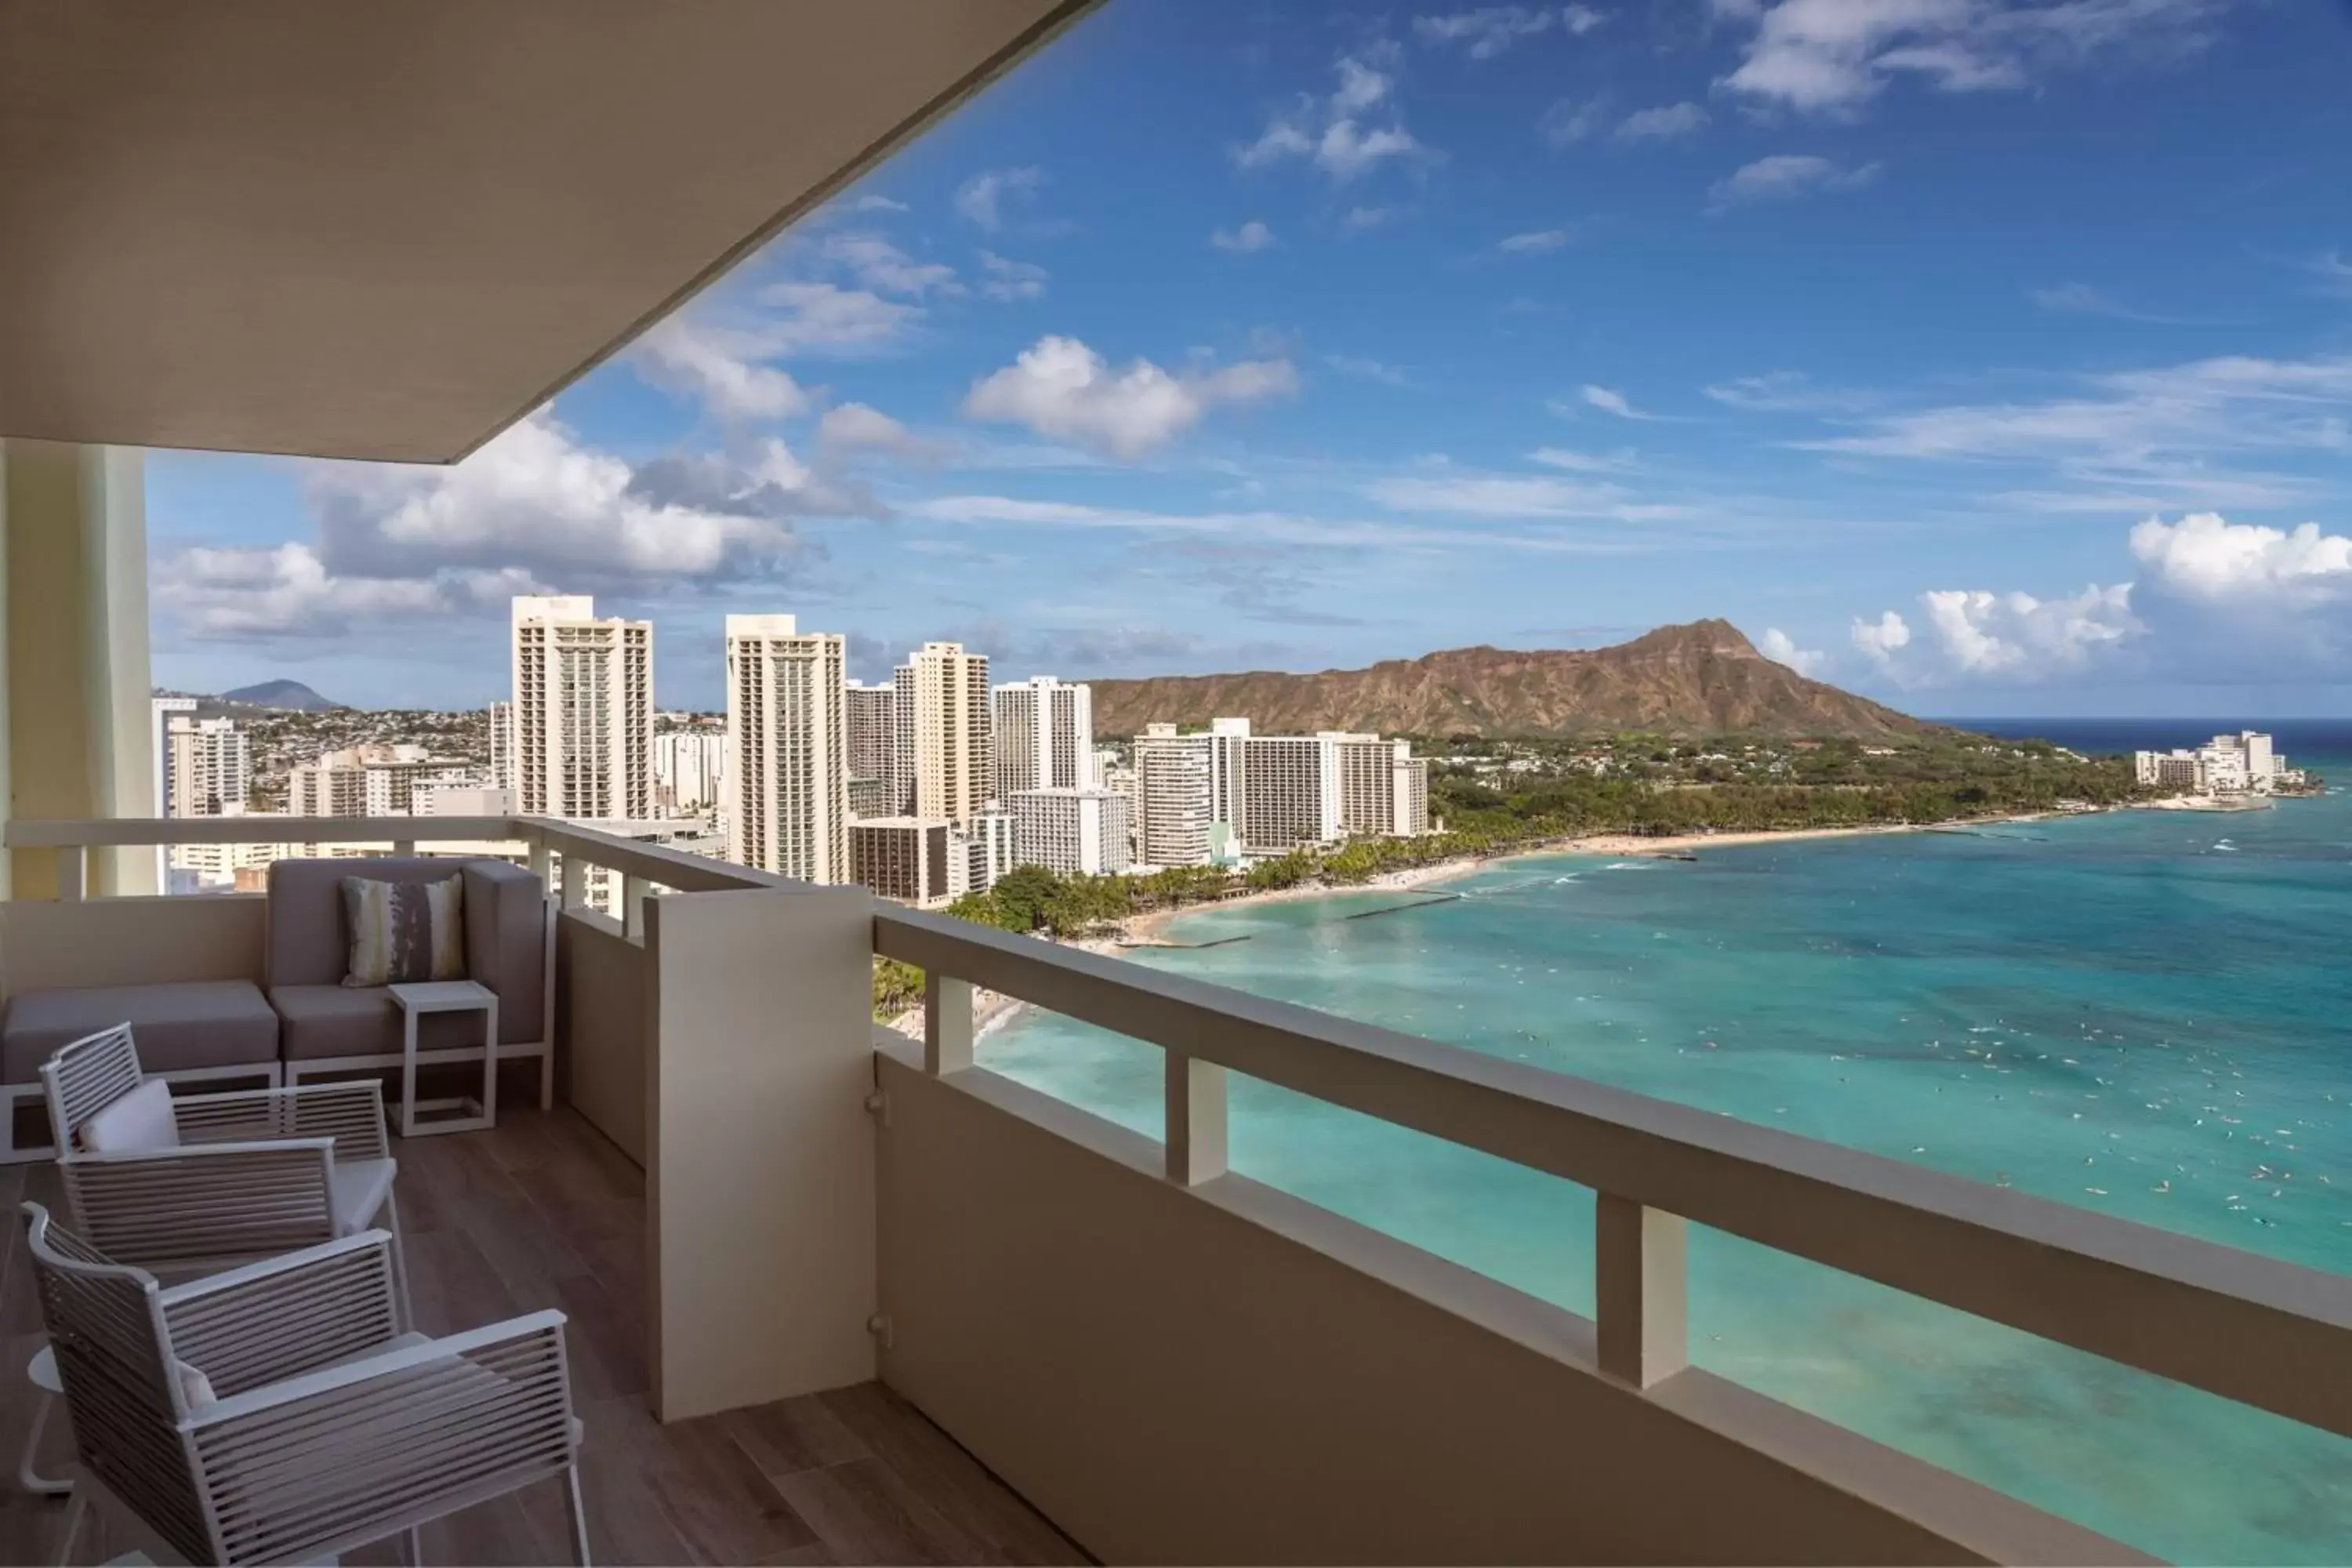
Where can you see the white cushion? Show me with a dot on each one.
(359, 1190)
(138, 1123)
(195, 1388)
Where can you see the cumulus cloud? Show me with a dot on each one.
(878, 265)
(1581, 19)
(1882, 638)
(1832, 57)
(855, 427)
(1987, 634)
(533, 510)
(1665, 123)
(1251, 236)
(1781, 649)
(982, 199)
(1569, 121)
(1062, 389)
(1533, 243)
(1784, 176)
(1488, 30)
(719, 367)
(1609, 401)
(1334, 134)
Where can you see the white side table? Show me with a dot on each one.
(447, 996)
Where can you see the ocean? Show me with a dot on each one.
(2141, 1013)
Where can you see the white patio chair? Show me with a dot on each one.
(229, 1177)
(277, 1414)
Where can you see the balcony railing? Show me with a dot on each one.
(1175, 1361)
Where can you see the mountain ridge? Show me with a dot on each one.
(1698, 678)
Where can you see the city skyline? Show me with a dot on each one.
(1918, 343)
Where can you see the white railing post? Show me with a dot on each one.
(575, 881)
(543, 863)
(1640, 1290)
(947, 1024)
(1196, 1119)
(73, 871)
(403, 845)
(633, 906)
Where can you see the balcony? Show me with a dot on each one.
(833, 1291)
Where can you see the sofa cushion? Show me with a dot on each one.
(195, 1024)
(337, 1020)
(404, 932)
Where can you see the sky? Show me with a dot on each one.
(1986, 356)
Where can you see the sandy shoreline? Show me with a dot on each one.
(991, 1010)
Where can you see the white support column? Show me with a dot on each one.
(947, 1024)
(1196, 1119)
(75, 680)
(1640, 1290)
(760, 1161)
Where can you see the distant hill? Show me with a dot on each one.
(286, 694)
(1706, 677)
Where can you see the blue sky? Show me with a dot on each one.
(1988, 357)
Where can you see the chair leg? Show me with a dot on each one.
(578, 1514)
(399, 1260)
(29, 1479)
(547, 1077)
(412, 1548)
(74, 1511)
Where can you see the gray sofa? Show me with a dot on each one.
(325, 1023)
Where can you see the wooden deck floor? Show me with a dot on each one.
(543, 1211)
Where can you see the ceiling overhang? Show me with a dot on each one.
(360, 229)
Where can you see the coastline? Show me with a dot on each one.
(991, 1010)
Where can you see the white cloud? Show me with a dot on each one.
(1581, 19)
(1883, 637)
(1664, 123)
(982, 199)
(1363, 219)
(828, 319)
(1497, 495)
(1488, 30)
(1582, 462)
(1332, 133)
(1609, 401)
(855, 427)
(1569, 121)
(1062, 389)
(531, 511)
(1006, 280)
(1267, 526)
(2206, 558)
(2018, 635)
(1781, 649)
(2334, 273)
(1833, 56)
(1786, 392)
(1533, 243)
(878, 264)
(1784, 175)
(1251, 236)
(721, 368)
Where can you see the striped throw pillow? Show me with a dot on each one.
(401, 933)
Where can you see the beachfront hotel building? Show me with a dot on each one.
(1383, 787)
(583, 711)
(2246, 763)
(1070, 832)
(908, 859)
(210, 766)
(940, 716)
(985, 846)
(689, 770)
(1188, 792)
(501, 727)
(1044, 736)
(1291, 792)
(872, 715)
(787, 749)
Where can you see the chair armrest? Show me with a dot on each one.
(203, 1201)
(284, 1316)
(352, 1453)
(351, 1112)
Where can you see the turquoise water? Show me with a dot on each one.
(2140, 1013)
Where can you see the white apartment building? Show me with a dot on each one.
(1411, 793)
(461, 800)
(583, 711)
(987, 844)
(1044, 736)
(787, 764)
(211, 766)
(940, 713)
(1188, 792)
(1071, 832)
(370, 780)
(502, 739)
(2242, 763)
(873, 719)
(1383, 787)
(689, 770)
(908, 858)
